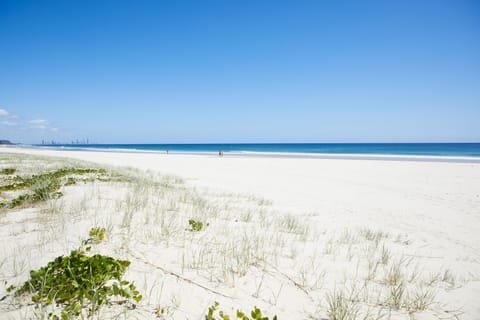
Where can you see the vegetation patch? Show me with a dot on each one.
(255, 314)
(96, 236)
(8, 171)
(44, 186)
(80, 284)
(196, 225)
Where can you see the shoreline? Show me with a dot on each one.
(287, 155)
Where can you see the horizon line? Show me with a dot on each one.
(209, 143)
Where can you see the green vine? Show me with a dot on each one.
(80, 284)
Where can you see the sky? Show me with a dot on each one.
(240, 71)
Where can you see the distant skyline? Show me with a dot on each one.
(239, 72)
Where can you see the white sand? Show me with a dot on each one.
(436, 205)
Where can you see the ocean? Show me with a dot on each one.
(368, 150)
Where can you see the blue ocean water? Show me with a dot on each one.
(392, 149)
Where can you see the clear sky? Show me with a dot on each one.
(240, 71)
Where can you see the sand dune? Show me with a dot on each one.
(433, 208)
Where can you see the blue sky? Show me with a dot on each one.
(240, 71)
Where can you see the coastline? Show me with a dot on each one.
(301, 155)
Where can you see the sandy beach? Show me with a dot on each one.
(326, 228)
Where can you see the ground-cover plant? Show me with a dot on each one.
(43, 186)
(8, 171)
(80, 284)
(96, 236)
(196, 225)
(70, 181)
(255, 314)
(25, 183)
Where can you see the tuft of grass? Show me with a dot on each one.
(292, 224)
(372, 266)
(385, 256)
(340, 307)
(374, 236)
(396, 296)
(421, 300)
(394, 275)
